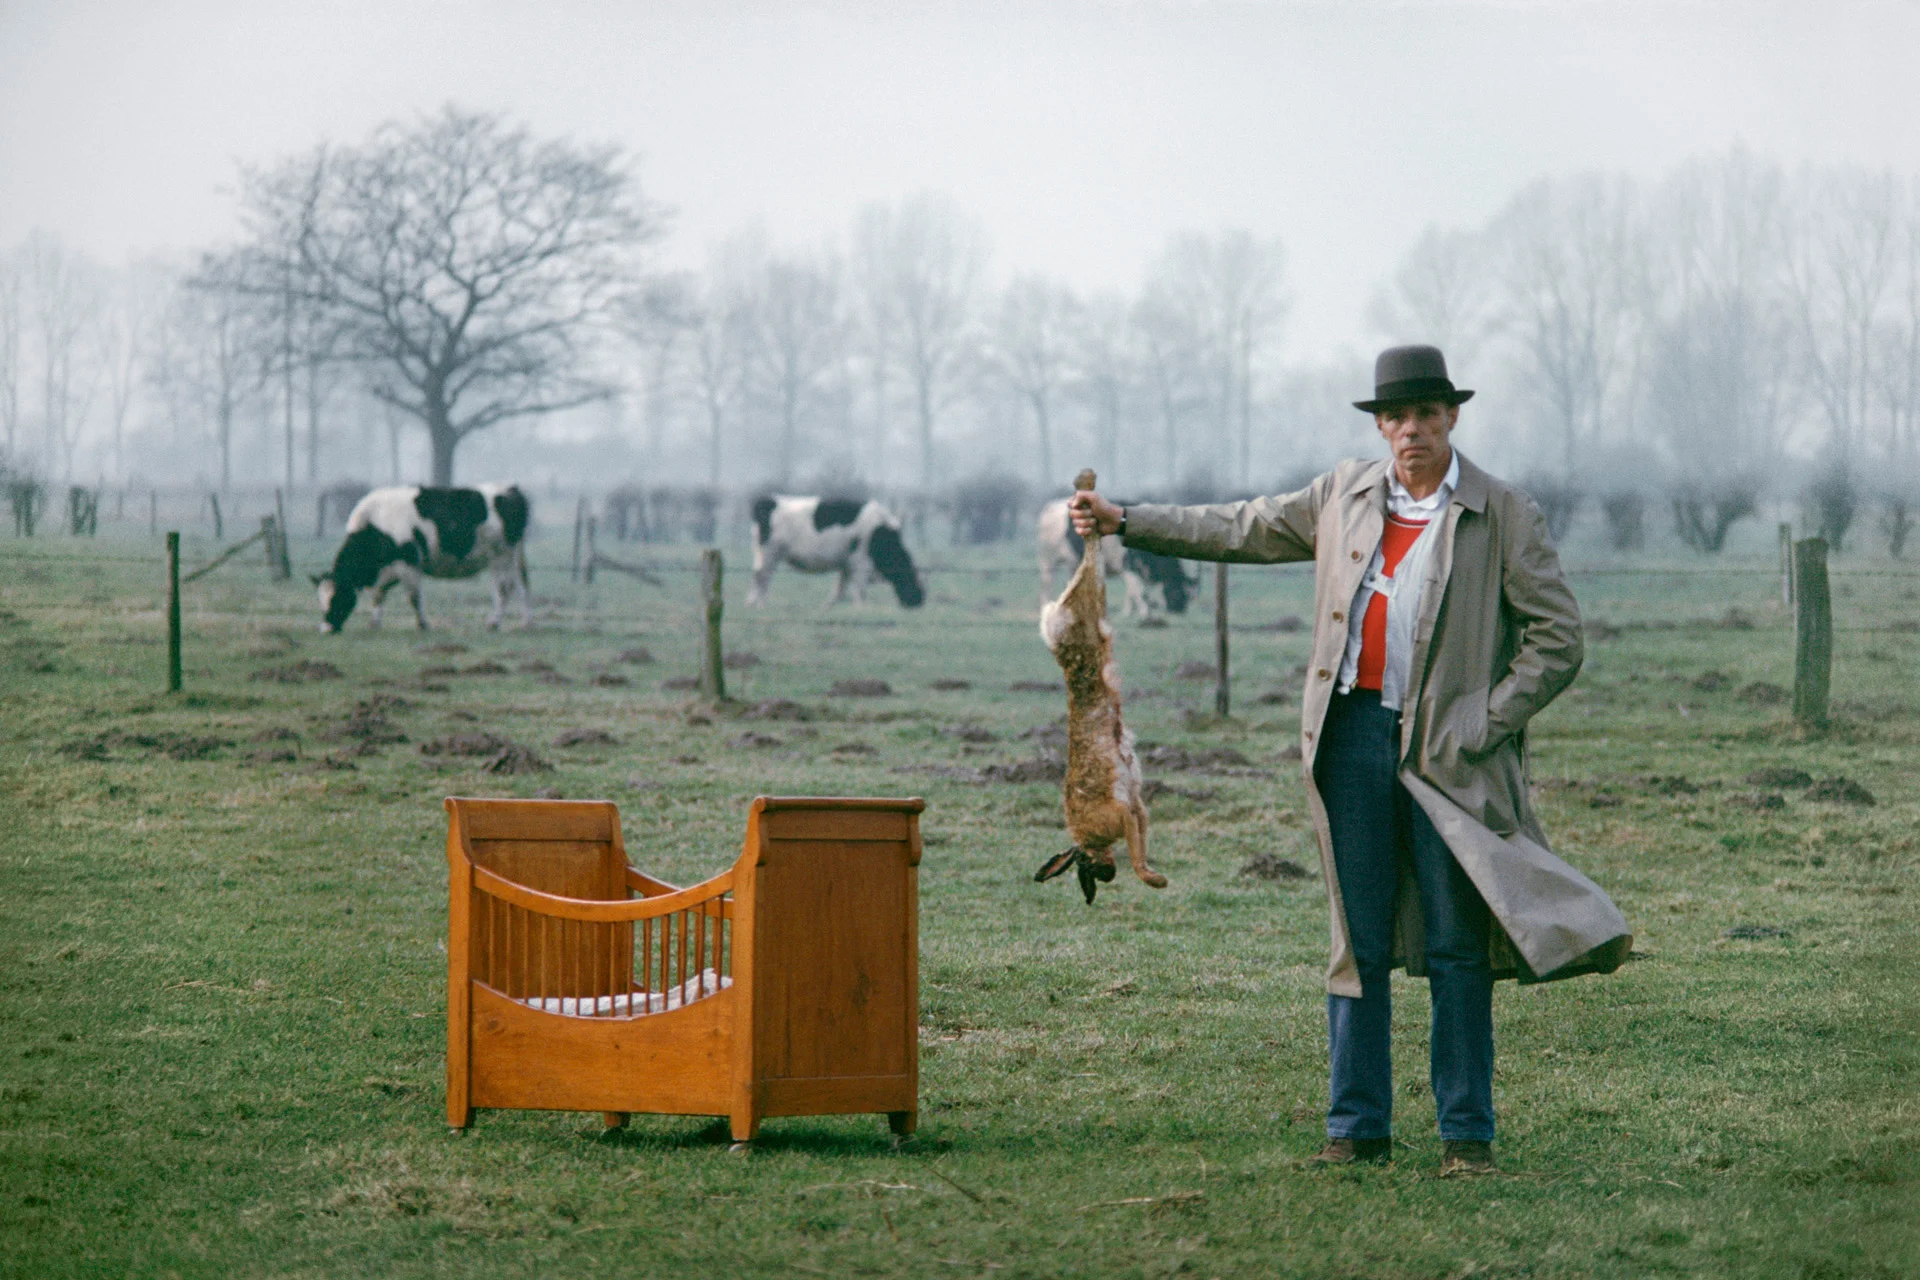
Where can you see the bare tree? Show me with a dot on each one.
(927, 261)
(1103, 361)
(1445, 291)
(66, 304)
(13, 325)
(1028, 351)
(466, 263)
(1897, 362)
(1571, 290)
(795, 339)
(1215, 303)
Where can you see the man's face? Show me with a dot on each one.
(1417, 433)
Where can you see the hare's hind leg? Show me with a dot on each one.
(1137, 846)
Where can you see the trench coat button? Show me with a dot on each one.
(1338, 616)
(1356, 555)
(1325, 674)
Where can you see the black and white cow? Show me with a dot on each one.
(402, 533)
(1153, 581)
(825, 535)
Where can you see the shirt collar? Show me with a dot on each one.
(1399, 501)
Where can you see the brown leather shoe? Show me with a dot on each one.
(1354, 1151)
(1466, 1159)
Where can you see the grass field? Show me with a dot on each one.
(222, 920)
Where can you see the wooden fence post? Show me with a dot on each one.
(713, 675)
(267, 538)
(219, 531)
(1786, 564)
(592, 552)
(282, 562)
(1221, 690)
(579, 521)
(1812, 632)
(173, 612)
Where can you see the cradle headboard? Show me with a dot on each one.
(567, 847)
(835, 950)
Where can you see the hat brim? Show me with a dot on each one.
(1455, 398)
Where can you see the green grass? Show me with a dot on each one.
(222, 981)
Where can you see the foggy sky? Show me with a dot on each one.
(1080, 134)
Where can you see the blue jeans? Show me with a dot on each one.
(1377, 827)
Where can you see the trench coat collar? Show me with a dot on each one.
(1470, 493)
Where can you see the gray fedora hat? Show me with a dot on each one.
(1403, 375)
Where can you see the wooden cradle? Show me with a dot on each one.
(786, 985)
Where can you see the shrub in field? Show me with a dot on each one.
(1558, 499)
(1896, 520)
(1625, 511)
(28, 497)
(987, 508)
(1702, 513)
(1831, 501)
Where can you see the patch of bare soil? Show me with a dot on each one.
(1662, 784)
(861, 689)
(336, 762)
(754, 739)
(1780, 775)
(1712, 682)
(957, 772)
(1270, 866)
(1195, 669)
(466, 744)
(305, 671)
(1048, 735)
(1181, 760)
(516, 759)
(445, 646)
(1273, 698)
(1604, 800)
(585, 738)
(174, 746)
(273, 755)
(973, 733)
(1762, 694)
(1152, 789)
(1046, 767)
(740, 661)
(609, 680)
(487, 668)
(1754, 932)
(777, 709)
(1036, 686)
(1758, 801)
(854, 749)
(680, 682)
(535, 667)
(949, 685)
(1839, 790)
(1736, 619)
(368, 723)
(638, 656)
(438, 673)
(1154, 622)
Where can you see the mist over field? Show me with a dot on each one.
(1677, 252)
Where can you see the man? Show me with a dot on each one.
(1442, 625)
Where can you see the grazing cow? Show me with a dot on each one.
(399, 534)
(1153, 581)
(823, 535)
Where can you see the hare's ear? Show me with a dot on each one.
(1057, 864)
(1089, 877)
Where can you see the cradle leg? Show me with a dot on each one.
(902, 1122)
(745, 1126)
(459, 1117)
(614, 1119)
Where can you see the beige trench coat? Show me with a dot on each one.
(1498, 637)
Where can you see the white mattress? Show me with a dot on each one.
(705, 983)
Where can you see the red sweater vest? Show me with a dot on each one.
(1394, 541)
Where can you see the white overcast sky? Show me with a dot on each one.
(1080, 134)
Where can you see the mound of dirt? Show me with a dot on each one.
(275, 735)
(1268, 866)
(535, 667)
(1196, 669)
(853, 749)
(1181, 760)
(637, 656)
(273, 755)
(368, 722)
(487, 668)
(516, 759)
(973, 733)
(1759, 801)
(680, 682)
(1273, 698)
(866, 688)
(1048, 735)
(1711, 681)
(949, 685)
(466, 744)
(609, 680)
(440, 672)
(740, 661)
(1754, 932)
(1662, 784)
(1152, 789)
(753, 739)
(1049, 767)
(1780, 775)
(1839, 790)
(174, 746)
(777, 709)
(1605, 800)
(1036, 686)
(585, 738)
(445, 646)
(1286, 625)
(1762, 694)
(305, 671)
